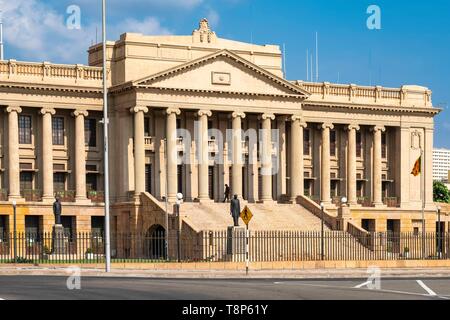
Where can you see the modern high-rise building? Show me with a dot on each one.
(441, 164)
(283, 146)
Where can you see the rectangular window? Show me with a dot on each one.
(97, 225)
(383, 145)
(59, 181)
(358, 144)
(24, 129)
(306, 142)
(32, 227)
(26, 181)
(147, 127)
(58, 131)
(90, 132)
(91, 182)
(333, 143)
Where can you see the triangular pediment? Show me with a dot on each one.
(223, 72)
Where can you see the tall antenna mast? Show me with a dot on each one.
(307, 65)
(317, 57)
(311, 69)
(1, 36)
(284, 61)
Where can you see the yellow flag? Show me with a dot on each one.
(416, 169)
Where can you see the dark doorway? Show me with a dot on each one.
(33, 230)
(440, 236)
(393, 235)
(3, 227)
(148, 178)
(69, 225)
(368, 225)
(155, 241)
(211, 182)
(180, 178)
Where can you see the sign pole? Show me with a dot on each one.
(247, 262)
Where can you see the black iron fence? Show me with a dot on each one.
(221, 246)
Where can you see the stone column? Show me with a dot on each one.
(377, 184)
(325, 197)
(203, 154)
(296, 161)
(13, 152)
(266, 157)
(171, 153)
(47, 154)
(351, 164)
(237, 164)
(281, 157)
(139, 150)
(80, 155)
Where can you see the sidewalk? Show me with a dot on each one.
(229, 274)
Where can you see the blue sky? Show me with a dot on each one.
(412, 47)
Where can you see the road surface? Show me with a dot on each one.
(55, 287)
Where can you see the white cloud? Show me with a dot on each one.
(213, 17)
(149, 25)
(38, 32)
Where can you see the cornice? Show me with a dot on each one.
(352, 106)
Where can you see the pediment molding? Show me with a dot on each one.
(289, 89)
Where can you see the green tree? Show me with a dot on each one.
(440, 192)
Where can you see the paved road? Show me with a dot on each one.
(54, 287)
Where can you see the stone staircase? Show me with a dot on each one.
(216, 216)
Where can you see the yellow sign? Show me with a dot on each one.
(246, 215)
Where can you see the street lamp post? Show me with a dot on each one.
(439, 232)
(178, 204)
(321, 231)
(14, 203)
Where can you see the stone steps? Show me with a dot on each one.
(216, 216)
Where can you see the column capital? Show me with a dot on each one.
(137, 109)
(78, 113)
(203, 112)
(46, 110)
(326, 125)
(237, 114)
(10, 109)
(169, 111)
(296, 117)
(379, 128)
(353, 126)
(267, 116)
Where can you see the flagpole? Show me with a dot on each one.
(422, 189)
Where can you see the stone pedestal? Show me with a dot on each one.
(59, 240)
(236, 242)
(344, 216)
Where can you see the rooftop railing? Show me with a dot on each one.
(405, 96)
(50, 70)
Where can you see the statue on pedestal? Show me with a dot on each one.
(235, 210)
(57, 211)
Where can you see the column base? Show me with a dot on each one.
(206, 200)
(18, 199)
(266, 201)
(83, 201)
(48, 199)
(379, 205)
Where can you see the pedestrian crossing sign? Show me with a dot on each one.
(246, 215)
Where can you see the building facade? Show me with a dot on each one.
(332, 140)
(441, 164)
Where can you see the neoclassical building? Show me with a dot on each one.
(332, 140)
